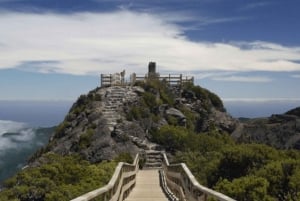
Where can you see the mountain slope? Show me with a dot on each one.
(190, 123)
(112, 120)
(280, 130)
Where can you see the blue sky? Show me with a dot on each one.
(242, 50)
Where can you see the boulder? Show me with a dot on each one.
(176, 113)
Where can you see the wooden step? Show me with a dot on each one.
(147, 187)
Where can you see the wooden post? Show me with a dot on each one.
(101, 77)
(180, 79)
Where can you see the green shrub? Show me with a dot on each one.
(86, 138)
(171, 137)
(248, 188)
(137, 112)
(124, 157)
(205, 95)
(60, 178)
(172, 120)
(216, 101)
(155, 118)
(97, 97)
(191, 118)
(60, 129)
(150, 99)
(80, 104)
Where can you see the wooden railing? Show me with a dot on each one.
(118, 188)
(184, 185)
(171, 79)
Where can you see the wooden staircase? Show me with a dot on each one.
(147, 187)
(170, 183)
(153, 160)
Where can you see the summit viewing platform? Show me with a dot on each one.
(118, 79)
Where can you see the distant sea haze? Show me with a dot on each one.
(259, 108)
(51, 113)
(35, 113)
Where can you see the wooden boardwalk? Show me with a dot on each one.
(147, 187)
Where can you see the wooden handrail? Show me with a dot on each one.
(185, 186)
(119, 186)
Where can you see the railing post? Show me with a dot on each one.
(116, 188)
(205, 197)
(185, 186)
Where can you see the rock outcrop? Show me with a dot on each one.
(280, 131)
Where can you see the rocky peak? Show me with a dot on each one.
(112, 120)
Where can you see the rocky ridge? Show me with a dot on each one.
(113, 120)
(279, 130)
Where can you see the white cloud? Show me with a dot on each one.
(87, 43)
(233, 78)
(8, 127)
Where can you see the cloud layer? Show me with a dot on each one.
(88, 43)
(13, 127)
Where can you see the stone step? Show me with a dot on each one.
(113, 116)
(115, 96)
(115, 101)
(119, 99)
(153, 152)
(111, 121)
(108, 108)
(108, 112)
(112, 124)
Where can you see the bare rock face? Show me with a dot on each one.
(223, 121)
(280, 130)
(181, 119)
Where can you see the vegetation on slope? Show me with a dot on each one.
(242, 171)
(158, 97)
(206, 96)
(59, 178)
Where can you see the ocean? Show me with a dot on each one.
(259, 108)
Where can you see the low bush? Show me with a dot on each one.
(60, 178)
